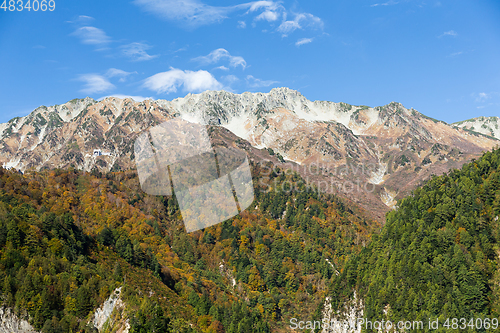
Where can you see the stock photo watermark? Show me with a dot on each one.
(320, 186)
(357, 324)
(28, 5)
(214, 183)
(211, 184)
(328, 170)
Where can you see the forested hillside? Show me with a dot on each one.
(437, 255)
(68, 239)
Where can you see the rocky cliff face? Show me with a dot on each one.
(111, 315)
(485, 125)
(11, 323)
(344, 321)
(371, 155)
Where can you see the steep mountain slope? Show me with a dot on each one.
(485, 125)
(67, 134)
(436, 257)
(69, 239)
(371, 155)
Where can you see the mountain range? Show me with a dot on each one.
(371, 155)
(85, 250)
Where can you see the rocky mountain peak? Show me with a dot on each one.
(392, 148)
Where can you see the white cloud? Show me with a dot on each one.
(224, 68)
(182, 49)
(121, 96)
(454, 54)
(82, 20)
(237, 61)
(137, 51)
(268, 5)
(388, 3)
(92, 35)
(85, 18)
(288, 27)
(303, 41)
(95, 83)
(170, 81)
(257, 83)
(491, 97)
(222, 54)
(448, 33)
(230, 78)
(272, 11)
(268, 15)
(481, 97)
(300, 21)
(195, 13)
(121, 74)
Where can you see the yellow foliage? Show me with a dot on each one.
(55, 245)
(70, 304)
(204, 321)
(73, 286)
(260, 249)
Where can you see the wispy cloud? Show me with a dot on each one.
(448, 33)
(486, 99)
(121, 74)
(95, 83)
(99, 83)
(303, 41)
(300, 21)
(388, 3)
(258, 83)
(82, 20)
(137, 51)
(271, 11)
(92, 35)
(266, 5)
(195, 13)
(454, 54)
(268, 16)
(222, 54)
(169, 81)
(182, 49)
(482, 96)
(230, 79)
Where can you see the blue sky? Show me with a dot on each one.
(440, 57)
